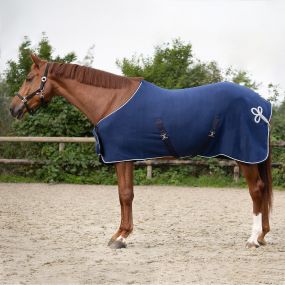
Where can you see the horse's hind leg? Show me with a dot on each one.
(260, 211)
(265, 225)
(124, 171)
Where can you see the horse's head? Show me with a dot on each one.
(34, 92)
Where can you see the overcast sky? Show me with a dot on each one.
(244, 34)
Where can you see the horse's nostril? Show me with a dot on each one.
(13, 111)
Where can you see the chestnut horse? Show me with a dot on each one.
(97, 94)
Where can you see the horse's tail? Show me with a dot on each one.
(266, 176)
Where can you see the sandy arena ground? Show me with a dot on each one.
(58, 234)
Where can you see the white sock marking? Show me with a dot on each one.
(256, 229)
(122, 239)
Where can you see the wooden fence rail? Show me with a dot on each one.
(49, 139)
(79, 140)
(148, 163)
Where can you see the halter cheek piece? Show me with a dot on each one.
(40, 92)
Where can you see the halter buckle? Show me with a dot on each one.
(44, 79)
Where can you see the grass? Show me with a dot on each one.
(139, 179)
(5, 178)
(178, 176)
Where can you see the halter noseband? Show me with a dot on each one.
(40, 92)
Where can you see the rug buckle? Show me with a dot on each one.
(212, 134)
(164, 136)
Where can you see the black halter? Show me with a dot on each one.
(39, 92)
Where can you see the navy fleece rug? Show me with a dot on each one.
(217, 119)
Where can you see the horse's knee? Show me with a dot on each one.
(127, 196)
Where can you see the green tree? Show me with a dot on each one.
(278, 112)
(89, 57)
(5, 117)
(278, 118)
(17, 70)
(172, 66)
(240, 77)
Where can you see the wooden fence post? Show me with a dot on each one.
(61, 147)
(148, 169)
(236, 173)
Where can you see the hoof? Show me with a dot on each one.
(251, 244)
(118, 243)
(262, 242)
(110, 242)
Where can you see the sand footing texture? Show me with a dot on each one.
(58, 234)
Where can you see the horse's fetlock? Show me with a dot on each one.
(126, 228)
(266, 229)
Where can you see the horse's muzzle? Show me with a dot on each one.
(17, 111)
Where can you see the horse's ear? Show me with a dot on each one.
(36, 60)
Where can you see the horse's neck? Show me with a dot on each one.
(94, 102)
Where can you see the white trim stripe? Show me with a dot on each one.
(121, 106)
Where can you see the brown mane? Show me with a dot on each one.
(90, 76)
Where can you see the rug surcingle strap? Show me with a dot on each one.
(165, 138)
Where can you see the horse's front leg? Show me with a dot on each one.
(124, 172)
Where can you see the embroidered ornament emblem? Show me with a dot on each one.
(257, 112)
